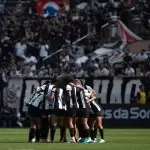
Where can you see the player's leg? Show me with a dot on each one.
(84, 114)
(32, 130)
(63, 137)
(71, 117)
(44, 128)
(95, 132)
(32, 124)
(91, 123)
(100, 127)
(54, 120)
(38, 128)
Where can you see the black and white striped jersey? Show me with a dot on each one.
(81, 99)
(71, 96)
(59, 99)
(49, 104)
(93, 104)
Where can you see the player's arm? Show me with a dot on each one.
(77, 86)
(52, 94)
(92, 97)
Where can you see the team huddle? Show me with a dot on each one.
(69, 103)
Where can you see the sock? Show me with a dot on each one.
(63, 137)
(87, 133)
(31, 134)
(95, 133)
(38, 135)
(44, 129)
(101, 133)
(52, 134)
(92, 134)
(71, 130)
(80, 129)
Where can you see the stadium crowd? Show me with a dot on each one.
(26, 39)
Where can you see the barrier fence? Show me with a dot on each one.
(116, 96)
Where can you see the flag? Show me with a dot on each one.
(126, 34)
(50, 7)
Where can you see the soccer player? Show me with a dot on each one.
(58, 114)
(72, 109)
(47, 110)
(83, 113)
(38, 107)
(96, 116)
(34, 113)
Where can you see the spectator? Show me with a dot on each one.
(142, 56)
(44, 49)
(141, 95)
(129, 71)
(21, 48)
(31, 61)
(127, 58)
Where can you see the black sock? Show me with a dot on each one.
(87, 133)
(63, 137)
(80, 129)
(72, 134)
(38, 135)
(31, 134)
(92, 134)
(45, 128)
(95, 133)
(101, 133)
(52, 134)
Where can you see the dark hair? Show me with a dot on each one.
(46, 82)
(141, 86)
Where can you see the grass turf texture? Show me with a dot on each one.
(116, 139)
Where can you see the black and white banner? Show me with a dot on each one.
(109, 90)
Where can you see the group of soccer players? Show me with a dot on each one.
(71, 104)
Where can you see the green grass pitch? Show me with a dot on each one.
(116, 139)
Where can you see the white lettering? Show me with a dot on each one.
(137, 83)
(108, 114)
(115, 97)
(143, 114)
(103, 94)
(125, 114)
(134, 113)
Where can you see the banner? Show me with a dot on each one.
(109, 90)
(12, 94)
(126, 115)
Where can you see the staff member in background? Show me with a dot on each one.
(141, 95)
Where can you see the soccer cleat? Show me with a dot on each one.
(81, 140)
(95, 140)
(33, 140)
(72, 141)
(102, 141)
(88, 140)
